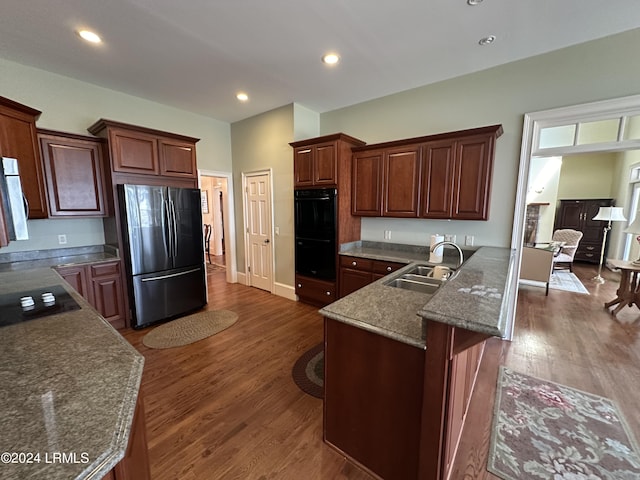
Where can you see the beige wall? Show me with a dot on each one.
(261, 143)
(592, 71)
(70, 105)
(589, 175)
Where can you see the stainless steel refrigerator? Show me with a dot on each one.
(164, 253)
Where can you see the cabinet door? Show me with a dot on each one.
(177, 159)
(325, 165)
(303, 167)
(76, 276)
(74, 174)
(134, 152)
(18, 140)
(401, 182)
(106, 283)
(317, 292)
(352, 280)
(367, 183)
(570, 215)
(593, 230)
(472, 186)
(437, 183)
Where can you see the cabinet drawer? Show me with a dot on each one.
(386, 267)
(356, 263)
(317, 291)
(104, 269)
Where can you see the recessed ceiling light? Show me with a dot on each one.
(487, 40)
(243, 97)
(331, 58)
(474, 2)
(90, 36)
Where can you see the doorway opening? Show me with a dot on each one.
(565, 131)
(217, 219)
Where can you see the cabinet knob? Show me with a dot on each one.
(354, 263)
(590, 248)
(328, 293)
(299, 285)
(388, 269)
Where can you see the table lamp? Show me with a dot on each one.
(607, 214)
(635, 229)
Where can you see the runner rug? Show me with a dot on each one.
(543, 430)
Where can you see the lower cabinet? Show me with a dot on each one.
(315, 291)
(135, 464)
(101, 285)
(357, 272)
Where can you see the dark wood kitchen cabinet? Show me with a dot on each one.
(101, 285)
(445, 176)
(75, 174)
(18, 139)
(318, 162)
(577, 214)
(141, 150)
(358, 272)
(387, 182)
(326, 162)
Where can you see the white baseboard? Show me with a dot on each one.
(286, 291)
(241, 278)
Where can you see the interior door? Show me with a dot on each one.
(258, 236)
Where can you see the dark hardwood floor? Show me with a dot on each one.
(227, 408)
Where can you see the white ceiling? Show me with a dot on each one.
(196, 54)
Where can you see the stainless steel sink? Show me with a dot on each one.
(423, 270)
(415, 286)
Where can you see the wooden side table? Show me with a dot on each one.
(628, 292)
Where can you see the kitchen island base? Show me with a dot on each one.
(393, 408)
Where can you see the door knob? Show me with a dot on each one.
(266, 241)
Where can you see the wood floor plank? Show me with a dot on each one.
(227, 408)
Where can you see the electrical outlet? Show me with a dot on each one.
(449, 237)
(468, 240)
(387, 234)
(62, 239)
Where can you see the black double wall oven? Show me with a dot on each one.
(315, 222)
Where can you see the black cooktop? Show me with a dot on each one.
(12, 312)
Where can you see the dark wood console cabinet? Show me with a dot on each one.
(577, 215)
(444, 176)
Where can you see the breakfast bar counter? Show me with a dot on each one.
(400, 365)
(69, 389)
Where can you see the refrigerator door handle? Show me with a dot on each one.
(162, 277)
(174, 223)
(166, 227)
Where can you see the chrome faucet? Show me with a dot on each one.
(447, 242)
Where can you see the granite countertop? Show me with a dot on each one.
(68, 385)
(56, 258)
(475, 298)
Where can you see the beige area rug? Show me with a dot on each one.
(189, 329)
(567, 281)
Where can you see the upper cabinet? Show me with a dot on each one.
(141, 150)
(18, 140)
(317, 162)
(75, 173)
(446, 176)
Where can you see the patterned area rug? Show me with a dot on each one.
(308, 371)
(543, 430)
(189, 329)
(565, 280)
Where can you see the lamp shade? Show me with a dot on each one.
(634, 227)
(612, 214)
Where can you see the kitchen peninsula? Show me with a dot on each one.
(71, 407)
(400, 365)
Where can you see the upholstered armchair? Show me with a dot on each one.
(571, 239)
